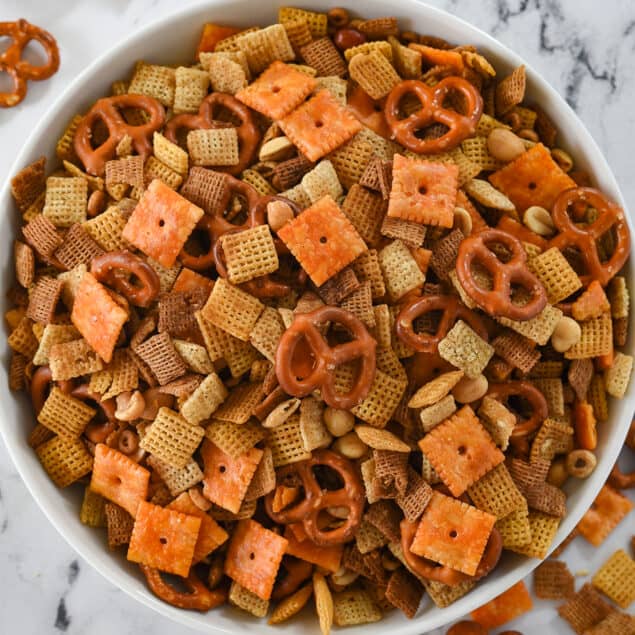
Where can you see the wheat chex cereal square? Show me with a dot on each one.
(215, 147)
(161, 223)
(553, 580)
(154, 81)
(319, 126)
(66, 199)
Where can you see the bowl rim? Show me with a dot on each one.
(118, 576)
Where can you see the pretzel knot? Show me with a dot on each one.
(584, 239)
(316, 500)
(18, 69)
(248, 133)
(498, 302)
(453, 310)
(107, 110)
(301, 369)
(430, 570)
(116, 269)
(534, 398)
(460, 125)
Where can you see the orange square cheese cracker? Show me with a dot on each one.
(254, 557)
(607, 511)
(97, 316)
(188, 281)
(278, 91)
(504, 608)
(119, 479)
(453, 533)
(161, 223)
(423, 192)
(323, 240)
(534, 178)
(164, 539)
(327, 556)
(461, 451)
(320, 125)
(212, 34)
(226, 479)
(210, 536)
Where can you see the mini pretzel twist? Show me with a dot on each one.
(20, 70)
(291, 367)
(307, 511)
(107, 110)
(248, 133)
(453, 310)
(460, 126)
(585, 238)
(476, 249)
(116, 268)
(97, 431)
(40, 384)
(537, 401)
(197, 596)
(295, 573)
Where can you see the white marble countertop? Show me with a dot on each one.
(584, 48)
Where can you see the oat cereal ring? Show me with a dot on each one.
(528, 392)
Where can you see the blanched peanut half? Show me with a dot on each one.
(275, 149)
(338, 422)
(389, 562)
(462, 221)
(566, 334)
(343, 577)
(539, 220)
(504, 145)
(278, 215)
(470, 389)
(558, 473)
(130, 406)
(350, 446)
(281, 413)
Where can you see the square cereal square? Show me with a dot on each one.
(161, 223)
(400, 270)
(556, 274)
(320, 125)
(249, 254)
(64, 460)
(64, 415)
(323, 240)
(264, 46)
(585, 609)
(616, 579)
(66, 199)
(465, 349)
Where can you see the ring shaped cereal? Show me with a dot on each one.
(316, 499)
(247, 131)
(116, 268)
(497, 302)
(19, 69)
(532, 395)
(107, 110)
(585, 238)
(453, 310)
(432, 110)
(325, 358)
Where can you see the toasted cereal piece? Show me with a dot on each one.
(616, 579)
(416, 497)
(404, 591)
(619, 297)
(249, 254)
(319, 126)
(177, 480)
(585, 609)
(41, 234)
(354, 606)
(155, 169)
(159, 354)
(22, 340)
(216, 147)
(548, 499)
(367, 267)
(366, 211)
(24, 260)
(435, 390)
(267, 332)
(205, 188)
(29, 183)
(368, 538)
(177, 309)
(516, 350)
(337, 288)
(233, 439)
(78, 247)
(608, 510)
(43, 298)
(66, 199)
(204, 400)
(239, 406)
(312, 427)
(155, 81)
(64, 415)
(161, 223)
(247, 601)
(172, 438)
(382, 47)
(463, 348)
(614, 623)
(317, 21)
(190, 88)
(439, 411)
(595, 340)
(287, 443)
(391, 473)
(618, 376)
(510, 91)
(407, 61)
(119, 524)
(322, 229)
(278, 91)
(64, 460)
(195, 356)
(322, 181)
(482, 192)
(553, 580)
(534, 178)
(360, 304)
(496, 493)
(379, 439)
(322, 55)
(537, 329)
(75, 358)
(291, 605)
(443, 595)
(170, 154)
(164, 539)
(254, 556)
(556, 275)
(93, 511)
(107, 228)
(400, 270)
(515, 529)
(423, 192)
(350, 159)
(507, 606)
(125, 170)
(453, 533)
(119, 479)
(265, 46)
(553, 392)
(476, 150)
(374, 73)
(335, 85)
(17, 372)
(412, 234)
(543, 529)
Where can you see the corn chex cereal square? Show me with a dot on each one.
(461, 451)
(287, 443)
(215, 147)
(191, 86)
(466, 350)
(323, 240)
(320, 125)
(161, 223)
(172, 438)
(65, 460)
(453, 533)
(543, 529)
(616, 579)
(423, 192)
(176, 479)
(154, 81)
(278, 91)
(400, 270)
(496, 493)
(65, 415)
(249, 254)
(556, 274)
(200, 405)
(68, 360)
(264, 46)
(164, 539)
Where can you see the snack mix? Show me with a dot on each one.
(328, 313)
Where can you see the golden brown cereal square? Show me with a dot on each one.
(367, 267)
(617, 377)
(93, 511)
(374, 73)
(170, 154)
(106, 229)
(154, 81)
(515, 529)
(127, 170)
(71, 359)
(240, 404)
(400, 270)
(443, 595)
(466, 350)
(201, 404)
(412, 234)
(214, 147)
(42, 235)
(543, 529)
(366, 211)
(404, 591)
(244, 599)
(65, 415)
(264, 46)
(24, 260)
(353, 607)
(176, 479)
(234, 439)
(614, 623)
(286, 442)
(596, 338)
(28, 184)
(539, 328)
(323, 240)
(322, 180)
(66, 199)
(249, 254)
(510, 91)
(267, 332)
(65, 460)
(322, 55)
(516, 350)
(22, 340)
(556, 274)
(496, 493)
(190, 89)
(317, 21)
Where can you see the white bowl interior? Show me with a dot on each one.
(173, 39)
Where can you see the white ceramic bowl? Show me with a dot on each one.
(173, 39)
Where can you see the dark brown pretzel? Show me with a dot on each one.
(21, 33)
(97, 431)
(40, 384)
(316, 499)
